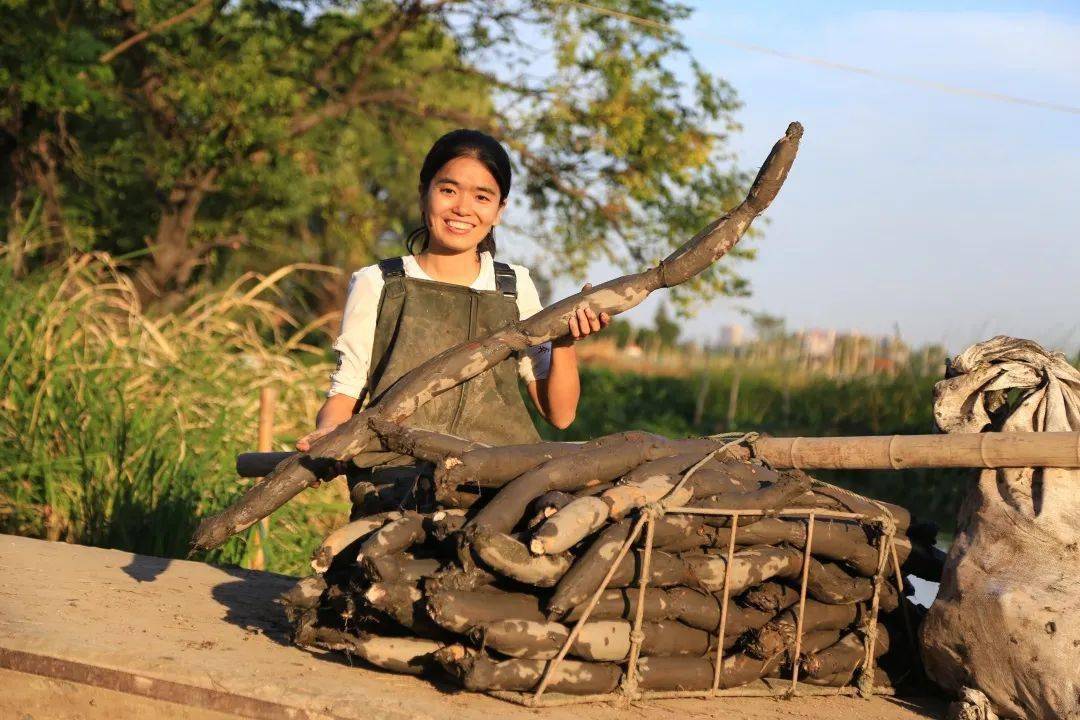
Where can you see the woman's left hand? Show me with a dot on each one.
(586, 322)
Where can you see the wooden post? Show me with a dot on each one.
(733, 399)
(702, 395)
(267, 401)
(785, 398)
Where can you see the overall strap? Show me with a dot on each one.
(392, 267)
(505, 279)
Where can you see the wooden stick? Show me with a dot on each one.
(785, 512)
(589, 608)
(636, 636)
(725, 599)
(909, 626)
(802, 603)
(866, 679)
(531, 701)
(463, 362)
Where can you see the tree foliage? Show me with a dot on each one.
(204, 137)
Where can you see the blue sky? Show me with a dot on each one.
(953, 217)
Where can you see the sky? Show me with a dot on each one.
(950, 217)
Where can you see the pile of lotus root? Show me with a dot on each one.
(481, 563)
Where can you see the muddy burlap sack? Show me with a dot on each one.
(1006, 622)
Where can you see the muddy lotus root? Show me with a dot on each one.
(485, 589)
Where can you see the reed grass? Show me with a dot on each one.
(120, 429)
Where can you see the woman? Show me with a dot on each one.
(403, 311)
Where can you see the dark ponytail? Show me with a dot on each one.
(455, 144)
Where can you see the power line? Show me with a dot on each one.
(831, 65)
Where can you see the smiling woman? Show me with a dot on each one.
(402, 311)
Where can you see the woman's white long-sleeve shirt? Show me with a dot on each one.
(357, 336)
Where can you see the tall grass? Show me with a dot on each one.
(119, 429)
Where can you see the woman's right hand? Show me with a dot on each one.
(304, 443)
(336, 410)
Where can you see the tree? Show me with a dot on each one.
(667, 330)
(768, 328)
(206, 137)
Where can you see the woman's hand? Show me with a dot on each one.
(556, 397)
(331, 471)
(336, 410)
(586, 322)
(304, 443)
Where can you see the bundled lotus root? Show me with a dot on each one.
(480, 563)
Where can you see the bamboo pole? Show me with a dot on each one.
(896, 452)
(872, 452)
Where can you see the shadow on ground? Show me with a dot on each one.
(926, 705)
(144, 568)
(250, 600)
(251, 603)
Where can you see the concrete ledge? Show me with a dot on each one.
(212, 641)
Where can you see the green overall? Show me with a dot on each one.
(417, 319)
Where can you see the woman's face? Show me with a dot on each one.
(461, 205)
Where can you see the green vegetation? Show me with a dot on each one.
(205, 139)
(163, 159)
(120, 430)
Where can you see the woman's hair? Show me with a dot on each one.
(463, 143)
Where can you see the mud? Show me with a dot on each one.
(461, 610)
(395, 536)
(478, 672)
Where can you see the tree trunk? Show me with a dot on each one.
(173, 259)
(41, 166)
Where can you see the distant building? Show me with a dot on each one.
(731, 336)
(818, 343)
